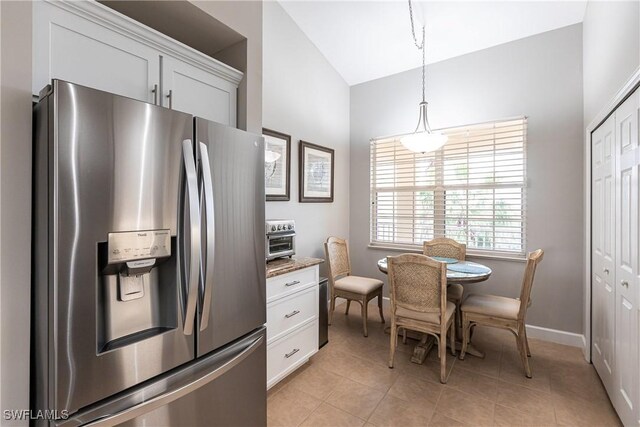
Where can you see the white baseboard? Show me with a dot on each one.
(538, 332)
(556, 336)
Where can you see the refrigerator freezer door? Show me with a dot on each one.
(235, 282)
(114, 165)
(226, 388)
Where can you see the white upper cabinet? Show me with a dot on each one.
(70, 47)
(92, 45)
(190, 89)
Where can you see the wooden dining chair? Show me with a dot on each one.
(419, 302)
(503, 312)
(344, 285)
(449, 248)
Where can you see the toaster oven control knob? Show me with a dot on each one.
(290, 226)
(279, 226)
(273, 228)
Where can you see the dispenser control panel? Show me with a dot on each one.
(137, 245)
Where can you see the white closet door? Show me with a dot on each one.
(603, 251)
(625, 397)
(74, 48)
(192, 90)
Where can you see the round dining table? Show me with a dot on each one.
(463, 272)
(457, 272)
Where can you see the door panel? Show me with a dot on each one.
(238, 285)
(117, 168)
(69, 47)
(603, 250)
(198, 92)
(625, 398)
(226, 388)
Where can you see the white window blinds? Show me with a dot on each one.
(471, 190)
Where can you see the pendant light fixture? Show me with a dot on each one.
(423, 139)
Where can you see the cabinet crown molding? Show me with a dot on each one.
(115, 21)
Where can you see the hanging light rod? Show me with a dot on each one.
(423, 139)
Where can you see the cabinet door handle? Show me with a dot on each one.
(293, 313)
(295, 282)
(605, 270)
(294, 351)
(624, 283)
(170, 96)
(155, 94)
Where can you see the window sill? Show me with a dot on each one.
(470, 254)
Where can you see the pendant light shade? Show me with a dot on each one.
(423, 139)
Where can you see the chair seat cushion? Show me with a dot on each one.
(491, 305)
(358, 285)
(433, 318)
(454, 293)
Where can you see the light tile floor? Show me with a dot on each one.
(348, 383)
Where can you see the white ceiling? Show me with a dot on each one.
(366, 40)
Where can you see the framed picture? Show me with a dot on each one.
(277, 164)
(316, 173)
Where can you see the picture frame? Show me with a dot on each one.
(316, 173)
(277, 165)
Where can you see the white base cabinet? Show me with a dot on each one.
(616, 257)
(87, 43)
(292, 322)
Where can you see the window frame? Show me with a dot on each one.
(440, 189)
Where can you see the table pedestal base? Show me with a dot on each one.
(427, 342)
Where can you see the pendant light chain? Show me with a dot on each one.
(420, 46)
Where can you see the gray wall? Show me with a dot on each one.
(15, 204)
(306, 98)
(540, 77)
(611, 51)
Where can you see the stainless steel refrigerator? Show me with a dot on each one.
(148, 265)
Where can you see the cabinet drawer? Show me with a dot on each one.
(289, 283)
(291, 351)
(287, 313)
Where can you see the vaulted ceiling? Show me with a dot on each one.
(365, 40)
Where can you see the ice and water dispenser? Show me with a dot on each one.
(137, 295)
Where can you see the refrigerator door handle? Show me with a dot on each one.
(175, 394)
(207, 184)
(194, 236)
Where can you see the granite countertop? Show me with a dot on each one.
(287, 265)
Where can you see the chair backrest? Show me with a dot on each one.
(533, 259)
(337, 252)
(444, 247)
(417, 283)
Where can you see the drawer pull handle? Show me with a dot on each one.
(293, 313)
(294, 351)
(295, 282)
(625, 283)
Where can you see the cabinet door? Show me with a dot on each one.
(625, 398)
(603, 251)
(74, 48)
(195, 91)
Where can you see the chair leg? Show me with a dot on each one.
(520, 341)
(465, 335)
(393, 342)
(380, 307)
(452, 336)
(442, 352)
(346, 312)
(526, 341)
(458, 318)
(332, 308)
(364, 316)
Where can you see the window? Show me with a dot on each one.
(472, 190)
